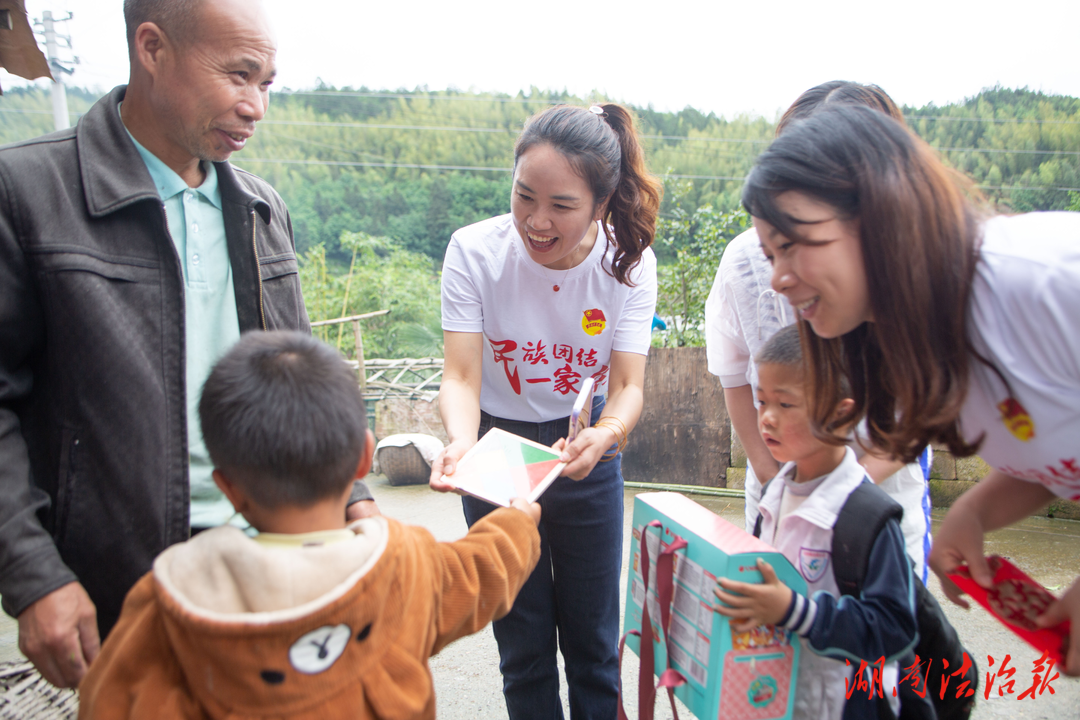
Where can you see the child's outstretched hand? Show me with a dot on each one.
(530, 509)
(751, 604)
(1067, 608)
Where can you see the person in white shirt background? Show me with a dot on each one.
(743, 311)
(534, 302)
(950, 324)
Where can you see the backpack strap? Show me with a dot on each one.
(863, 516)
(757, 525)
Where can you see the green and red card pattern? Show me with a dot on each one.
(503, 466)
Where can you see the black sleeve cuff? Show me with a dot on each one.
(359, 493)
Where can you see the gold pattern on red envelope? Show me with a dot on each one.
(1018, 601)
(1016, 418)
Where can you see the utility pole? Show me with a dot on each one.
(47, 26)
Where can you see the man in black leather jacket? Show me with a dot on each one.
(94, 441)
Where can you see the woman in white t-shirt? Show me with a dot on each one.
(949, 324)
(743, 311)
(534, 302)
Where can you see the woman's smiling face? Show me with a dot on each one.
(554, 211)
(821, 273)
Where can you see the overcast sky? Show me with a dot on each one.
(753, 56)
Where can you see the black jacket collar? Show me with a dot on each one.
(114, 174)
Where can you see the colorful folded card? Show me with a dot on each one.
(503, 466)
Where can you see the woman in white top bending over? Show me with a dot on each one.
(743, 311)
(534, 302)
(950, 325)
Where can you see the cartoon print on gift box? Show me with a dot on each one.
(813, 563)
(762, 636)
(762, 691)
(1016, 418)
(593, 321)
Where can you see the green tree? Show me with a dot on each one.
(697, 239)
(380, 276)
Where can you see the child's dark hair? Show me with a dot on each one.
(605, 152)
(783, 348)
(283, 417)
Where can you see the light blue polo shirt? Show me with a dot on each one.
(197, 227)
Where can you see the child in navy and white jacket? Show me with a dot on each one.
(798, 511)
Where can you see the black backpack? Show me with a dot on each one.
(862, 517)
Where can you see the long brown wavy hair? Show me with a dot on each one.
(605, 151)
(919, 228)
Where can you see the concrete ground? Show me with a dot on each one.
(467, 680)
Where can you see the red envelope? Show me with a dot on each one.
(1016, 600)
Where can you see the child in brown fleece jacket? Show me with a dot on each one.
(310, 618)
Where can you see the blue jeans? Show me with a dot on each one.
(572, 596)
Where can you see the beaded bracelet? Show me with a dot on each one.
(608, 422)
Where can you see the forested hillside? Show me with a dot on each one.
(1022, 147)
(415, 166)
(376, 182)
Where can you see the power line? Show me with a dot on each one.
(405, 96)
(1026, 187)
(373, 126)
(412, 166)
(992, 120)
(1009, 152)
(419, 96)
(322, 144)
(417, 166)
(707, 139)
(413, 96)
(448, 128)
(740, 178)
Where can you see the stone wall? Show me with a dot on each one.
(402, 415)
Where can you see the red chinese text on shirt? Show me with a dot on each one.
(501, 350)
(564, 380)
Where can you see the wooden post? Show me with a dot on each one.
(355, 320)
(360, 355)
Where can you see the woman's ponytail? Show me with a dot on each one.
(633, 206)
(602, 145)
